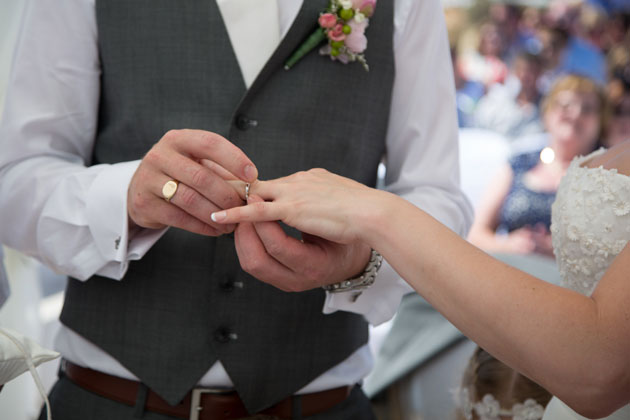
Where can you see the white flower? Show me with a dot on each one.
(488, 408)
(588, 245)
(530, 410)
(621, 208)
(573, 233)
(346, 4)
(573, 265)
(359, 17)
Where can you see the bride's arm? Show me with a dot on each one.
(574, 346)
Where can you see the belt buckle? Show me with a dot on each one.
(195, 400)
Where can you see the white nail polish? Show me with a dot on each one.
(218, 216)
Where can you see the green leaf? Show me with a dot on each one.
(311, 42)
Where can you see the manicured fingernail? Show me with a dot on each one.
(250, 173)
(218, 216)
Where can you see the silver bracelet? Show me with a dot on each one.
(361, 282)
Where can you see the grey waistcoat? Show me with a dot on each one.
(169, 64)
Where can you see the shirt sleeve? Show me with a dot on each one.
(76, 220)
(422, 144)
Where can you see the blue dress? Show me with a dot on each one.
(523, 206)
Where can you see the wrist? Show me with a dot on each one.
(361, 282)
(375, 218)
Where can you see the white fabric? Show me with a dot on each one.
(589, 223)
(19, 354)
(46, 140)
(589, 227)
(254, 35)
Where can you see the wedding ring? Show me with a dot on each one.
(169, 189)
(247, 185)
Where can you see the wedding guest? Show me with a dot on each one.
(515, 213)
(484, 64)
(467, 93)
(489, 387)
(511, 108)
(553, 44)
(123, 120)
(572, 340)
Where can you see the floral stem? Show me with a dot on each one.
(311, 42)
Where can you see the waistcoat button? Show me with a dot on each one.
(223, 335)
(245, 123)
(227, 285)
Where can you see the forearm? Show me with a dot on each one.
(485, 238)
(553, 335)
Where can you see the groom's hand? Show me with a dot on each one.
(266, 252)
(202, 163)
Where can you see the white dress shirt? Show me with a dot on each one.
(73, 216)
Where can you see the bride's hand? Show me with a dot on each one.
(316, 202)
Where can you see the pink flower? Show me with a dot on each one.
(327, 20)
(356, 4)
(356, 40)
(336, 33)
(366, 7)
(358, 26)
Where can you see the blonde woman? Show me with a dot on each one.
(515, 213)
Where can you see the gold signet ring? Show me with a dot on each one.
(169, 189)
(247, 185)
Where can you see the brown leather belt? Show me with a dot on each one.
(200, 403)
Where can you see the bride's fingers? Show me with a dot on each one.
(256, 210)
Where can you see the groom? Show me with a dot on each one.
(198, 325)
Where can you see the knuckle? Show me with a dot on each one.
(249, 265)
(209, 140)
(275, 249)
(152, 157)
(227, 228)
(139, 202)
(188, 197)
(201, 178)
(209, 230)
(171, 135)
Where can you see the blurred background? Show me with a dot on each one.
(507, 56)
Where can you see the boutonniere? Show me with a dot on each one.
(343, 25)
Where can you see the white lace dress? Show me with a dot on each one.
(590, 225)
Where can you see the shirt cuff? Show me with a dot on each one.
(108, 220)
(378, 303)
